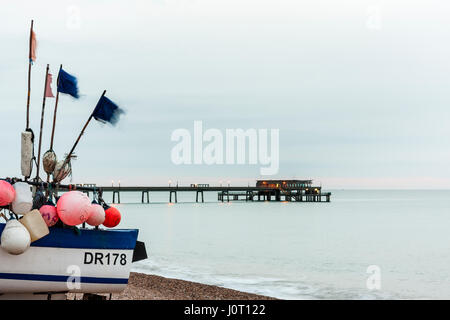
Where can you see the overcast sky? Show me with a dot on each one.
(359, 89)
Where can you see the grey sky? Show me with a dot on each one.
(357, 104)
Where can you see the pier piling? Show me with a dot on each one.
(148, 196)
(170, 196)
(197, 193)
(114, 196)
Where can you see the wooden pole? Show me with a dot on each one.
(56, 108)
(29, 78)
(42, 123)
(67, 159)
(54, 116)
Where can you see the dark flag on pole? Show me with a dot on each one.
(67, 83)
(107, 111)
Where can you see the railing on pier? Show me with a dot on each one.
(226, 193)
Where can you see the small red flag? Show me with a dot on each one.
(48, 89)
(33, 46)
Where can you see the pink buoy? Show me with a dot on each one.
(97, 215)
(49, 214)
(7, 193)
(73, 208)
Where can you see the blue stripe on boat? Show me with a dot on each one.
(53, 278)
(87, 239)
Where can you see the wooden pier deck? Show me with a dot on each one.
(224, 193)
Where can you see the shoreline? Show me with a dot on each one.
(150, 287)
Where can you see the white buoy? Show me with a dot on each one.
(15, 237)
(24, 198)
(26, 153)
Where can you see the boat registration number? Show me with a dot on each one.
(105, 259)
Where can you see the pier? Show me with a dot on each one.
(264, 190)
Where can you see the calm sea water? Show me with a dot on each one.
(301, 250)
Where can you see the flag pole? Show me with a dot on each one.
(54, 116)
(66, 160)
(42, 123)
(29, 77)
(56, 108)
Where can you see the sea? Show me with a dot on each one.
(364, 244)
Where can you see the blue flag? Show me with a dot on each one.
(67, 84)
(107, 111)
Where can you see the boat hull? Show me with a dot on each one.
(90, 261)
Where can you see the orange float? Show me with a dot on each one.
(112, 217)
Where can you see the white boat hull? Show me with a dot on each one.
(96, 261)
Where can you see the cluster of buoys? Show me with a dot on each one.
(72, 208)
(18, 234)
